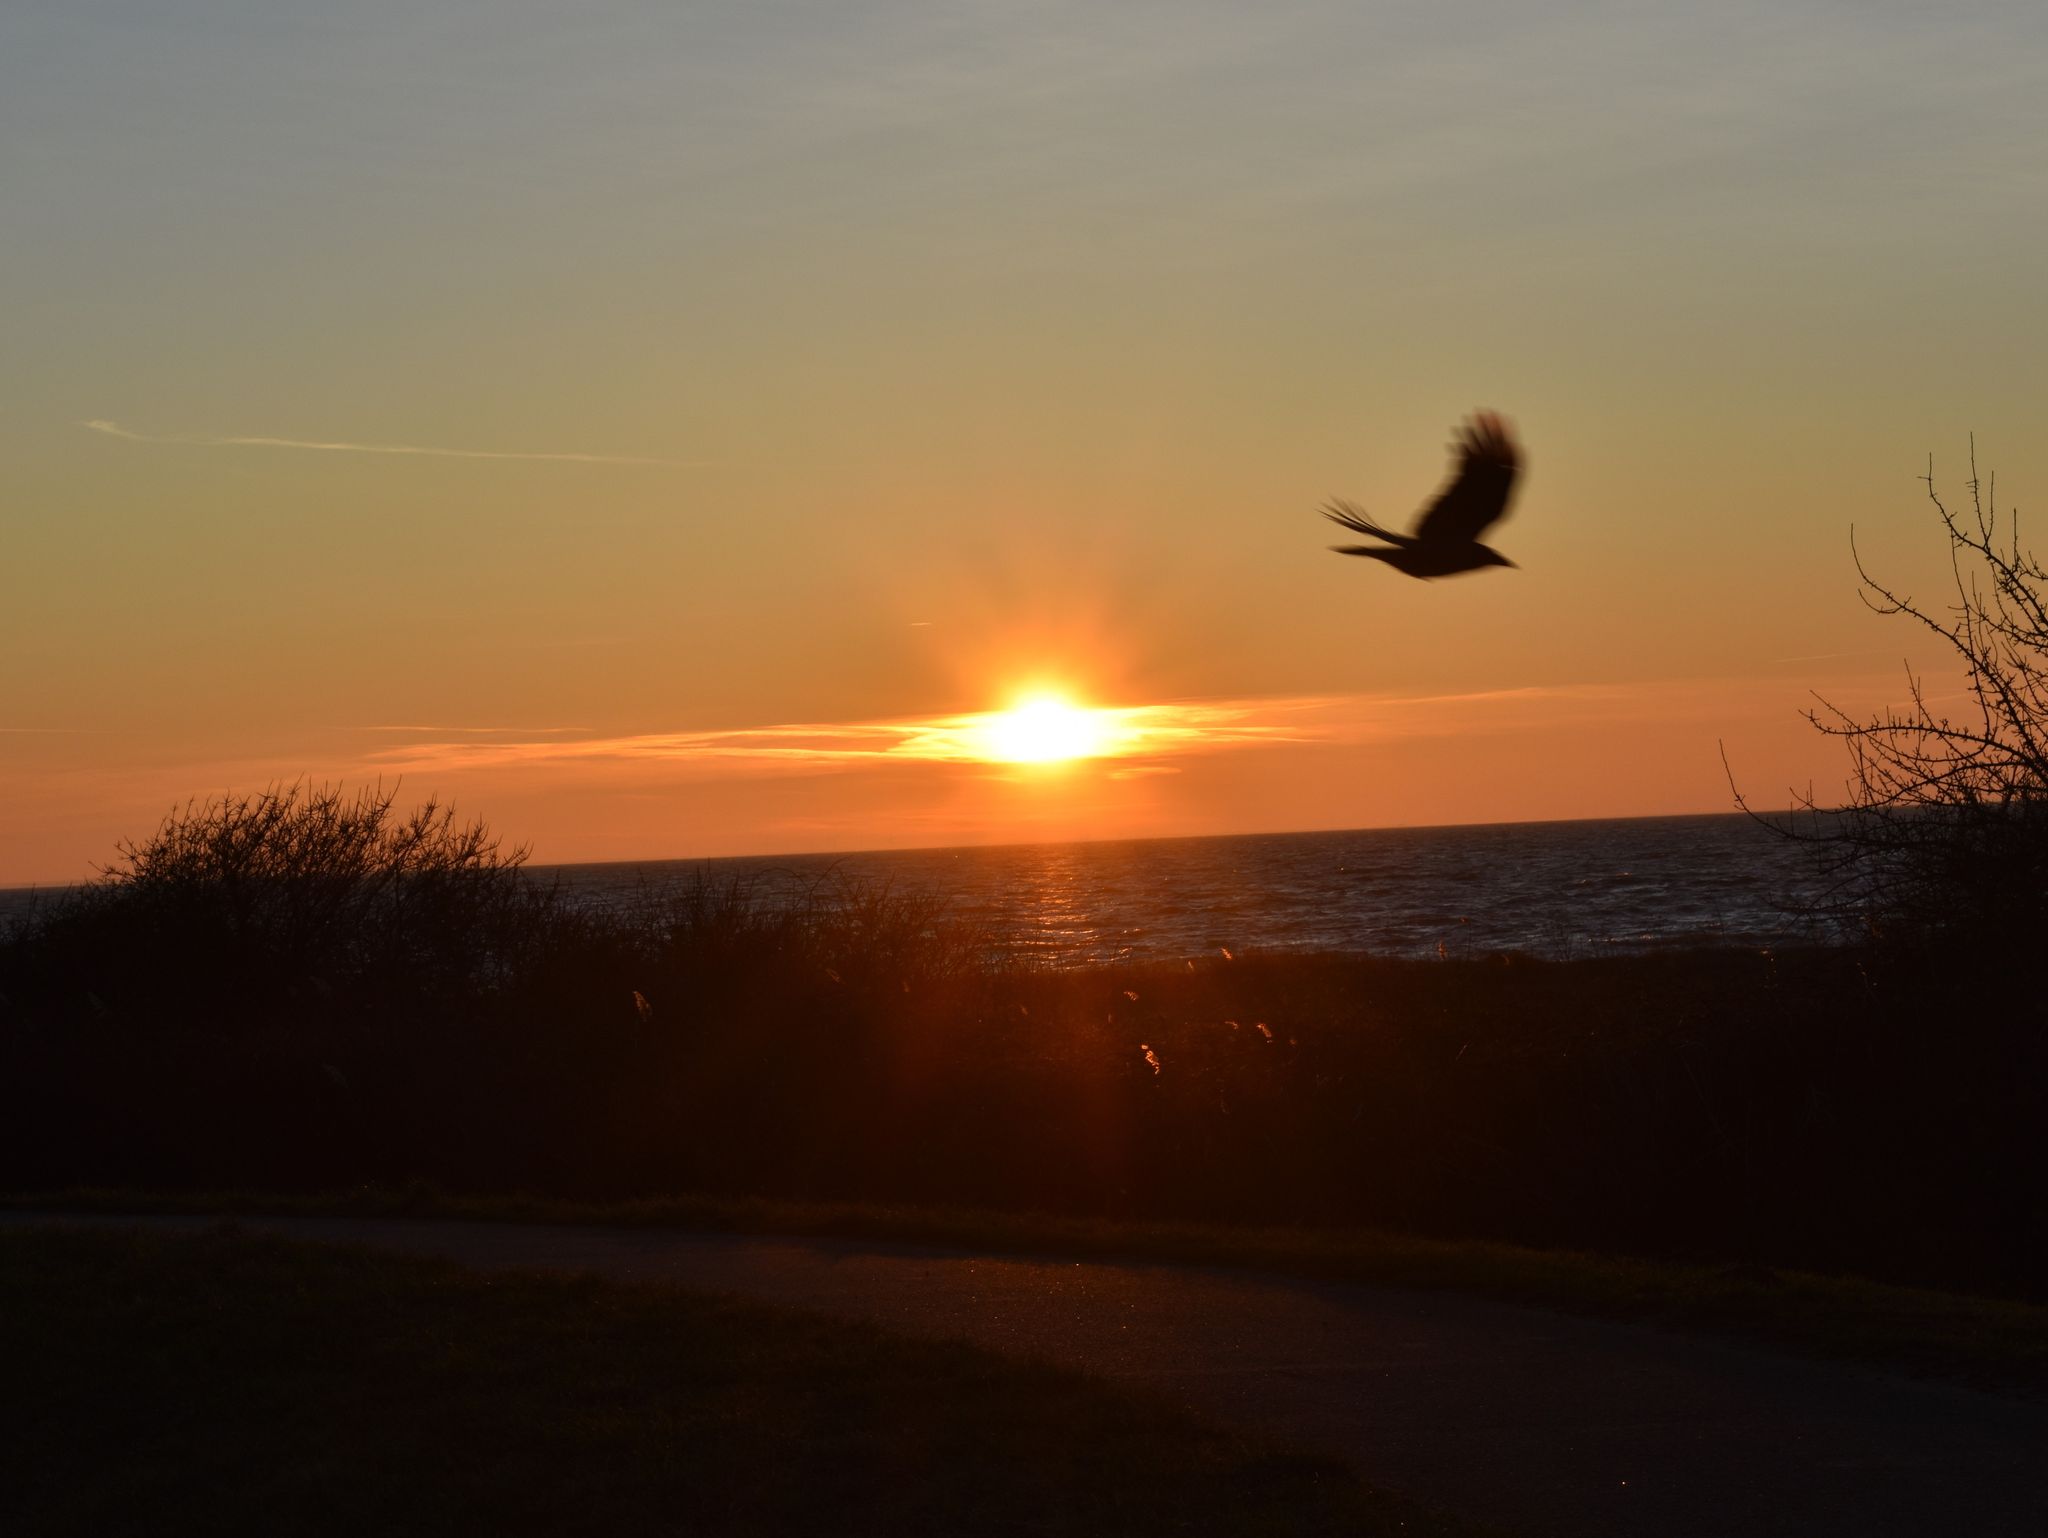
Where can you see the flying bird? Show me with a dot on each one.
(1446, 537)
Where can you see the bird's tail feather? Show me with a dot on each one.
(1377, 552)
(1353, 518)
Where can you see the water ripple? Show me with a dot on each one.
(1540, 888)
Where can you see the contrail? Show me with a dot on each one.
(215, 441)
(481, 731)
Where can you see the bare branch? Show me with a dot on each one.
(1945, 823)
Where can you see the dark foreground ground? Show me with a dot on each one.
(567, 1403)
(245, 1385)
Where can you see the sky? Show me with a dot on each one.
(665, 430)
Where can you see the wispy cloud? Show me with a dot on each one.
(238, 441)
(1857, 656)
(481, 731)
(1133, 732)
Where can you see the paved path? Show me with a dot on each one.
(1536, 1422)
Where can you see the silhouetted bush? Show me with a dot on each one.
(290, 903)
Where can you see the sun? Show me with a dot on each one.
(1043, 729)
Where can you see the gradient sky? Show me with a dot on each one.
(801, 375)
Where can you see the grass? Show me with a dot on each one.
(1986, 1343)
(229, 1383)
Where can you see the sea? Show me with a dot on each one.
(1551, 889)
(1555, 889)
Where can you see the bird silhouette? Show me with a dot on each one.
(1446, 537)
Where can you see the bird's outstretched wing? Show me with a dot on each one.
(1478, 494)
(1353, 518)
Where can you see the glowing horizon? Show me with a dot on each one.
(1179, 768)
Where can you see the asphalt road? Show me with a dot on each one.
(1535, 1422)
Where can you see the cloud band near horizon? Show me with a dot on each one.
(1133, 738)
(1141, 732)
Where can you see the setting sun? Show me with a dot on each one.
(1044, 729)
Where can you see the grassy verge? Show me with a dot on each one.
(227, 1384)
(1985, 1343)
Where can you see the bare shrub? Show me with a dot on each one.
(1944, 832)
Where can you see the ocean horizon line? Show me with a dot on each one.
(1145, 838)
(16, 889)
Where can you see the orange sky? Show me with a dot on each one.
(522, 402)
